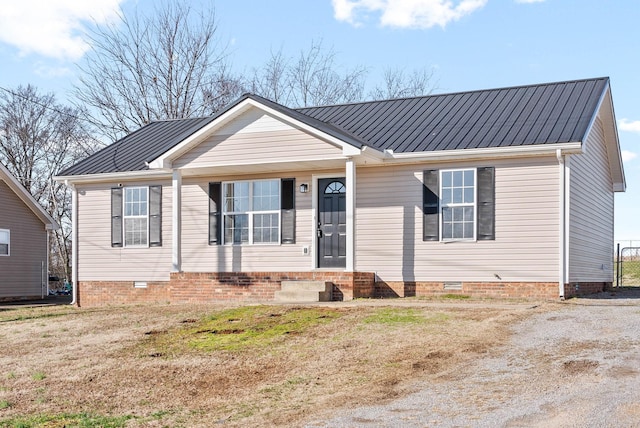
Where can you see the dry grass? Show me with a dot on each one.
(165, 365)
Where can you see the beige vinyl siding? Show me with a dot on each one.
(389, 227)
(97, 260)
(257, 140)
(199, 256)
(591, 204)
(21, 273)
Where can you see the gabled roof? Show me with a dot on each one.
(531, 115)
(27, 198)
(523, 115)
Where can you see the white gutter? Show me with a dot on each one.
(113, 176)
(74, 244)
(493, 152)
(562, 223)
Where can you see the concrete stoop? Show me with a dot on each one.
(304, 291)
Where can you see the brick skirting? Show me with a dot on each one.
(535, 290)
(198, 287)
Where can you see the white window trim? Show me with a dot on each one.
(8, 243)
(475, 206)
(125, 217)
(250, 213)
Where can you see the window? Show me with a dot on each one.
(251, 212)
(457, 204)
(136, 222)
(5, 240)
(136, 216)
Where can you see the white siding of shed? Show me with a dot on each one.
(389, 227)
(98, 261)
(591, 242)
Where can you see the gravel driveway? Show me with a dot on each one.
(577, 365)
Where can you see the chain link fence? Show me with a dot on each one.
(627, 262)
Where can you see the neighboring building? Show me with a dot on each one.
(24, 242)
(505, 192)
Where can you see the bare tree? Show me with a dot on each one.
(313, 78)
(39, 137)
(397, 83)
(168, 64)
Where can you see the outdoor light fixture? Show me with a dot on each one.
(304, 188)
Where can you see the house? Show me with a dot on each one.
(503, 192)
(24, 242)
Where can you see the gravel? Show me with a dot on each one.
(577, 365)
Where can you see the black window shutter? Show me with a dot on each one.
(155, 216)
(116, 217)
(288, 211)
(215, 209)
(430, 202)
(486, 204)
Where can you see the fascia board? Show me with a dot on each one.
(493, 152)
(113, 176)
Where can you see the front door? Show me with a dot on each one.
(332, 223)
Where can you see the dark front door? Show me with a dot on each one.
(332, 223)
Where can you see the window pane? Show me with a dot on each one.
(468, 177)
(265, 228)
(446, 179)
(457, 196)
(457, 214)
(446, 214)
(468, 195)
(135, 231)
(447, 231)
(236, 197)
(468, 214)
(4, 249)
(468, 230)
(446, 196)
(457, 179)
(236, 228)
(457, 231)
(266, 195)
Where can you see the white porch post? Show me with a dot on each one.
(74, 245)
(350, 176)
(176, 250)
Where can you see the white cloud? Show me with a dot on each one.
(53, 28)
(628, 156)
(405, 13)
(630, 126)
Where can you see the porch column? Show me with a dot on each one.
(176, 222)
(350, 176)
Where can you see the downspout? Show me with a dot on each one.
(46, 266)
(74, 244)
(562, 222)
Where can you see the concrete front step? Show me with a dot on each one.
(304, 291)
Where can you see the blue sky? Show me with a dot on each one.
(469, 44)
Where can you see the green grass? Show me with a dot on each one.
(4, 404)
(245, 327)
(455, 296)
(395, 316)
(38, 376)
(79, 420)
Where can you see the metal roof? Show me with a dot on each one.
(132, 152)
(523, 115)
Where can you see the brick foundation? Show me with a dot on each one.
(196, 287)
(538, 290)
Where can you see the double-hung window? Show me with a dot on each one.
(458, 204)
(5, 241)
(251, 212)
(136, 220)
(136, 216)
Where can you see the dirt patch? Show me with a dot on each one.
(110, 361)
(574, 367)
